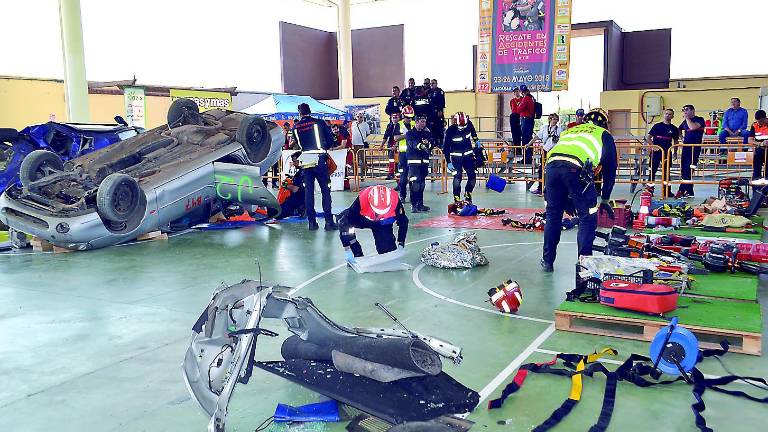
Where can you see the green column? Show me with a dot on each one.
(75, 84)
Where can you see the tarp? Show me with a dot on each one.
(285, 107)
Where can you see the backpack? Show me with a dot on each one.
(538, 109)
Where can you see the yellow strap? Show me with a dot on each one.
(576, 380)
(605, 351)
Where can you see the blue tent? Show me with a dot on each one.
(285, 107)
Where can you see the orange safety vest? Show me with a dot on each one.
(761, 132)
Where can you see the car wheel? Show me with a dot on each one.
(183, 112)
(119, 197)
(8, 135)
(253, 134)
(39, 164)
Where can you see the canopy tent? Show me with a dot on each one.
(285, 107)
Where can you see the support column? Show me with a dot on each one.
(75, 84)
(344, 36)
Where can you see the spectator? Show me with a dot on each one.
(735, 122)
(693, 126)
(579, 119)
(527, 111)
(343, 141)
(758, 135)
(712, 124)
(288, 135)
(408, 95)
(394, 104)
(548, 136)
(662, 134)
(427, 84)
(514, 116)
(360, 132)
(437, 97)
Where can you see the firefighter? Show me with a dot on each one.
(569, 183)
(419, 146)
(458, 147)
(402, 148)
(314, 138)
(377, 208)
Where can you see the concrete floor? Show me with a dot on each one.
(94, 340)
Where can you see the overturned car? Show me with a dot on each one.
(395, 375)
(144, 183)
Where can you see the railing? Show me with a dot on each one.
(375, 164)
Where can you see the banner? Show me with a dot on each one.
(206, 100)
(135, 106)
(337, 178)
(523, 42)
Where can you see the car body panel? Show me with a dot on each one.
(174, 168)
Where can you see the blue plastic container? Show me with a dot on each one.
(496, 183)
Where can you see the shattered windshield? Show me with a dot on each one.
(6, 154)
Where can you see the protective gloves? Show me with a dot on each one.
(350, 256)
(450, 167)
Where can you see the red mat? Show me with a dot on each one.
(480, 222)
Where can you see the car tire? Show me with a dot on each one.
(8, 135)
(119, 197)
(39, 164)
(183, 112)
(253, 135)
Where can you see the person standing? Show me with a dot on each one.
(527, 111)
(514, 116)
(734, 122)
(419, 146)
(394, 104)
(662, 134)
(408, 95)
(693, 129)
(275, 170)
(404, 126)
(548, 136)
(569, 183)
(437, 100)
(315, 138)
(360, 132)
(579, 119)
(389, 142)
(758, 136)
(459, 146)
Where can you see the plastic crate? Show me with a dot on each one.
(622, 216)
(593, 284)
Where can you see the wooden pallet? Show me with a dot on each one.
(741, 342)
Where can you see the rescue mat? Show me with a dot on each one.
(521, 215)
(387, 262)
(409, 399)
(637, 369)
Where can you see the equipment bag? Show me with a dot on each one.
(646, 298)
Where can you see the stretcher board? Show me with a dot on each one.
(390, 261)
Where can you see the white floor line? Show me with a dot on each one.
(300, 286)
(424, 288)
(515, 364)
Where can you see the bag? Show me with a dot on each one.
(332, 167)
(647, 298)
(538, 109)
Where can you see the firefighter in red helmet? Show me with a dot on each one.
(377, 208)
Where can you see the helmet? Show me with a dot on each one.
(408, 111)
(580, 112)
(597, 117)
(378, 203)
(461, 119)
(507, 297)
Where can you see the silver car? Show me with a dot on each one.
(144, 183)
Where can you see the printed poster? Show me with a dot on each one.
(135, 106)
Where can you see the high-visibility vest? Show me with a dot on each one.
(402, 145)
(578, 145)
(761, 132)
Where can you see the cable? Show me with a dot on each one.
(265, 424)
(220, 361)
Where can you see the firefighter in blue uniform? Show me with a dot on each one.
(314, 138)
(437, 100)
(408, 94)
(569, 183)
(404, 126)
(458, 148)
(376, 208)
(419, 147)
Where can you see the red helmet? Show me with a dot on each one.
(378, 203)
(408, 111)
(507, 297)
(461, 119)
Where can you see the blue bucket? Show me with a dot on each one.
(496, 183)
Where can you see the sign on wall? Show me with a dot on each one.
(523, 42)
(206, 100)
(135, 106)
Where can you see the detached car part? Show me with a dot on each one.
(391, 374)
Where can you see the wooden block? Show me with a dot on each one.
(150, 236)
(217, 217)
(57, 249)
(40, 245)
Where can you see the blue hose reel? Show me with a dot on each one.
(674, 350)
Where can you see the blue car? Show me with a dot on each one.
(68, 140)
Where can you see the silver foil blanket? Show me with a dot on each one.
(462, 252)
